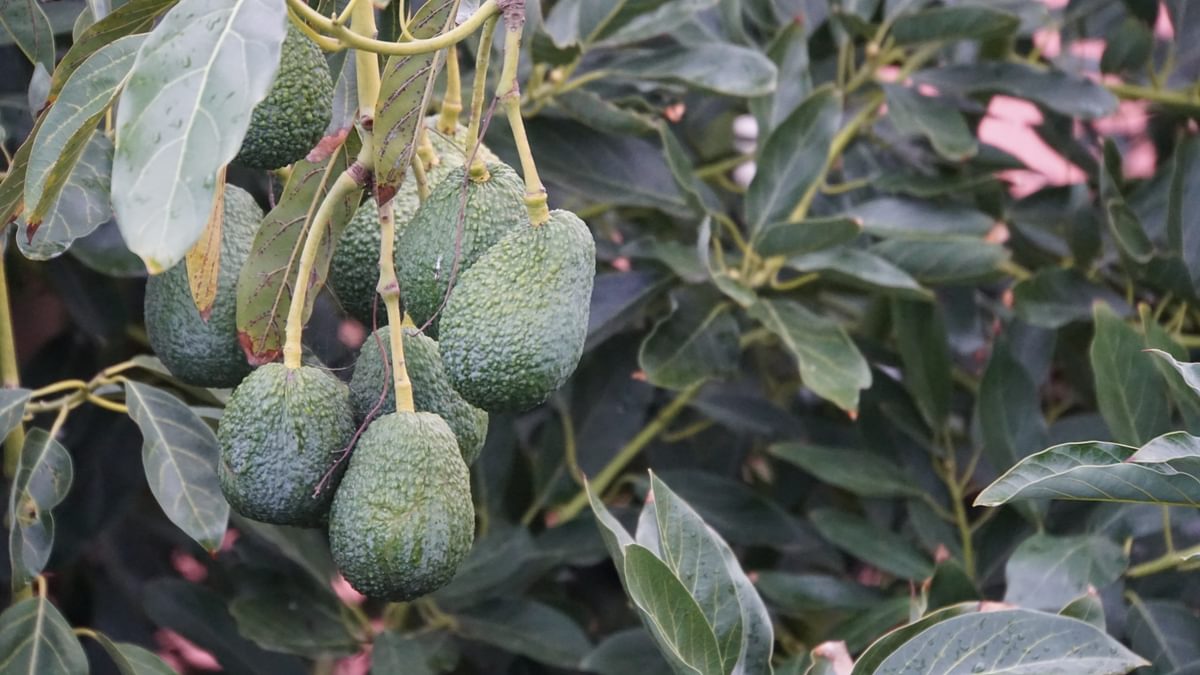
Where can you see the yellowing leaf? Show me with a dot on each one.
(204, 259)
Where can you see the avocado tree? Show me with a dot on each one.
(603, 336)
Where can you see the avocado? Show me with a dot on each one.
(281, 433)
(514, 328)
(426, 249)
(292, 118)
(354, 271)
(402, 520)
(199, 352)
(431, 390)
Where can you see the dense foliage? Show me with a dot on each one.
(862, 391)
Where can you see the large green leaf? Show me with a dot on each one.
(798, 594)
(1130, 392)
(925, 355)
(131, 17)
(862, 473)
(529, 628)
(179, 453)
(131, 659)
(265, 283)
(182, 116)
(288, 617)
(967, 22)
(696, 341)
(1054, 297)
(944, 127)
(898, 216)
(806, 236)
(792, 158)
(64, 136)
(1008, 410)
(25, 21)
(881, 649)
(645, 20)
(1164, 631)
(1046, 572)
(403, 96)
(789, 52)
(720, 68)
(886, 550)
(80, 205)
(860, 268)
(1068, 94)
(43, 477)
(1098, 471)
(943, 260)
(36, 640)
(830, 363)
(1011, 641)
(624, 652)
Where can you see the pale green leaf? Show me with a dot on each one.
(36, 640)
(25, 21)
(1130, 392)
(79, 207)
(132, 659)
(944, 127)
(1046, 572)
(671, 613)
(43, 477)
(698, 340)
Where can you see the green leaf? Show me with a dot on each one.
(529, 628)
(265, 283)
(624, 652)
(1130, 392)
(395, 653)
(601, 114)
(131, 659)
(25, 21)
(861, 269)
(943, 260)
(724, 69)
(42, 479)
(806, 236)
(1181, 207)
(868, 663)
(287, 617)
(897, 216)
(682, 259)
(131, 17)
(12, 187)
(944, 127)
(925, 355)
(968, 22)
(182, 116)
(1098, 471)
(1189, 373)
(1070, 95)
(307, 548)
(1008, 410)
(886, 550)
(403, 97)
(671, 613)
(1087, 608)
(830, 363)
(1128, 48)
(1054, 297)
(1166, 632)
(1046, 572)
(712, 575)
(179, 452)
(792, 158)
(494, 567)
(698, 340)
(682, 172)
(799, 594)
(650, 21)
(36, 640)
(12, 408)
(199, 615)
(865, 474)
(789, 52)
(80, 205)
(1009, 641)
(69, 125)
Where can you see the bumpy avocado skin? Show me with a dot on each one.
(402, 520)
(292, 118)
(426, 250)
(431, 390)
(354, 271)
(281, 432)
(199, 352)
(514, 328)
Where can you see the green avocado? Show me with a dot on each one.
(514, 328)
(426, 250)
(280, 435)
(354, 271)
(292, 118)
(402, 520)
(199, 352)
(431, 390)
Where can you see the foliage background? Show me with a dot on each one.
(963, 310)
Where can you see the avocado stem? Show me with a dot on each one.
(389, 290)
(353, 39)
(452, 100)
(366, 63)
(510, 92)
(422, 179)
(9, 374)
(483, 59)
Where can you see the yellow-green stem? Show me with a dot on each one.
(452, 101)
(293, 331)
(627, 453)
(10, 375)
(389, 290)
(351, 38)
(366, 63)
(1165, 563)
(840, 141)
(483, 59)
(510, 92)
(419, 175)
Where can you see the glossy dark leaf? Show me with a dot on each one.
(1130, 392)
(1054, 297)
(1068, 94)
(965, 22)
(698, 340)
(895, 216)
(886, 550)
(798, 594)
(943, 260)
(628, 651)
(720, 68)
(862, 473)
(860, 268)
(529, 628)
(944, 127)
(1046, 572)
(1164, 631)
(131, 659)
(805, 236)
(293, 619)
(925, 355)
(36, 640)
(1008, 411)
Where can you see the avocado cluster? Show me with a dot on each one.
(293, 117)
